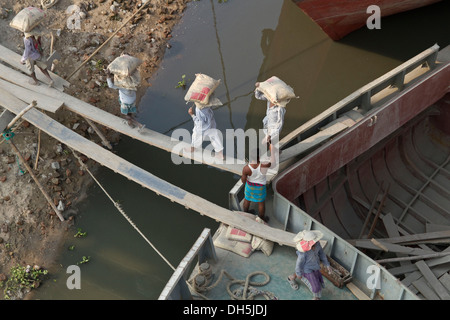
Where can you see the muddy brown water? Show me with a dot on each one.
(239, 42)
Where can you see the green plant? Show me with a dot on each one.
(23, 278)
(182, 83)
(84, 260)
(80, 234)
(71, 248)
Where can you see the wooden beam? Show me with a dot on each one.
(435, 237)
(43, 102)
(111, 121)
(142, 177)
(13, 59)
(433, 281)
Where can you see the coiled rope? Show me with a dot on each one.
(247, 291)
(120, 209)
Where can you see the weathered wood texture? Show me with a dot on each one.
(142, 177)
(13, 59)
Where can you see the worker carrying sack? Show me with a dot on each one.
(201, 89)
(276, 91)
(27, 19)
(124, 66)
(130, 83)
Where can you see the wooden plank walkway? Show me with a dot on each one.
(43, 102)
(13, 59)
(109, 120)
(142, 177)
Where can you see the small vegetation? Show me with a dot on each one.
(182, 82)
(21, 280)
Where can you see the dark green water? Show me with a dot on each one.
(239, 42)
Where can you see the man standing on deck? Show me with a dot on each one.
(33, 55)
(254, 179)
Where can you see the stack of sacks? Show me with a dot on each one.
(241, 242)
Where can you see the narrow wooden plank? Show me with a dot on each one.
(431, 227)
(445, 280)
(412, 267)
(429, 237)
(357, 292)
(13, 59)
(423, 287)
(111, 121)
(391, 227)
(43, 102)
(392, 247)
(142, 177)
(433, 281)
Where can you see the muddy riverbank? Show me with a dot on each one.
(30, 232)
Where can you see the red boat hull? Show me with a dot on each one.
(340, 17)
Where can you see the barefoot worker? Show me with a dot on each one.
(278, 94)
(205, 126)
(201, 93)
(254, 178)
(307, 267)
(33, 56)
(127, 79)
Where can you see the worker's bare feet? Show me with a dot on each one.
(33, 82)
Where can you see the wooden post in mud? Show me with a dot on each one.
(105, 142)
(58, 213)
(144, 4)
(17, 117)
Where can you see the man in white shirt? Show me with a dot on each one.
(205, 126)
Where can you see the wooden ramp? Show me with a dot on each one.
(140, 176)
(13, 59)
(109, 120)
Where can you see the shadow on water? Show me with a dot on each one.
(412, 31)
(239, 42)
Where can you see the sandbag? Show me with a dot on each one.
(238, 235)
(124, 66)
(276, 91)
(264, 245)
(213, 102)
(129, 83)
(27, 19)
(243, 249)
(201, 89)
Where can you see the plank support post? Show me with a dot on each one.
(58, 213)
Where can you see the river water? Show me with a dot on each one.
(239, 42)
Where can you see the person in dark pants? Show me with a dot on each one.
(307, 267)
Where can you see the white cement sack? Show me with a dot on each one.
(130, 83)
(201, 89)
(238, 235)
(27, 19)
(264, 245)
(124, 66)
(276, 91)
(243, 249)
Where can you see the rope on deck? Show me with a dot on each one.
(120, 209)
(247, 291)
